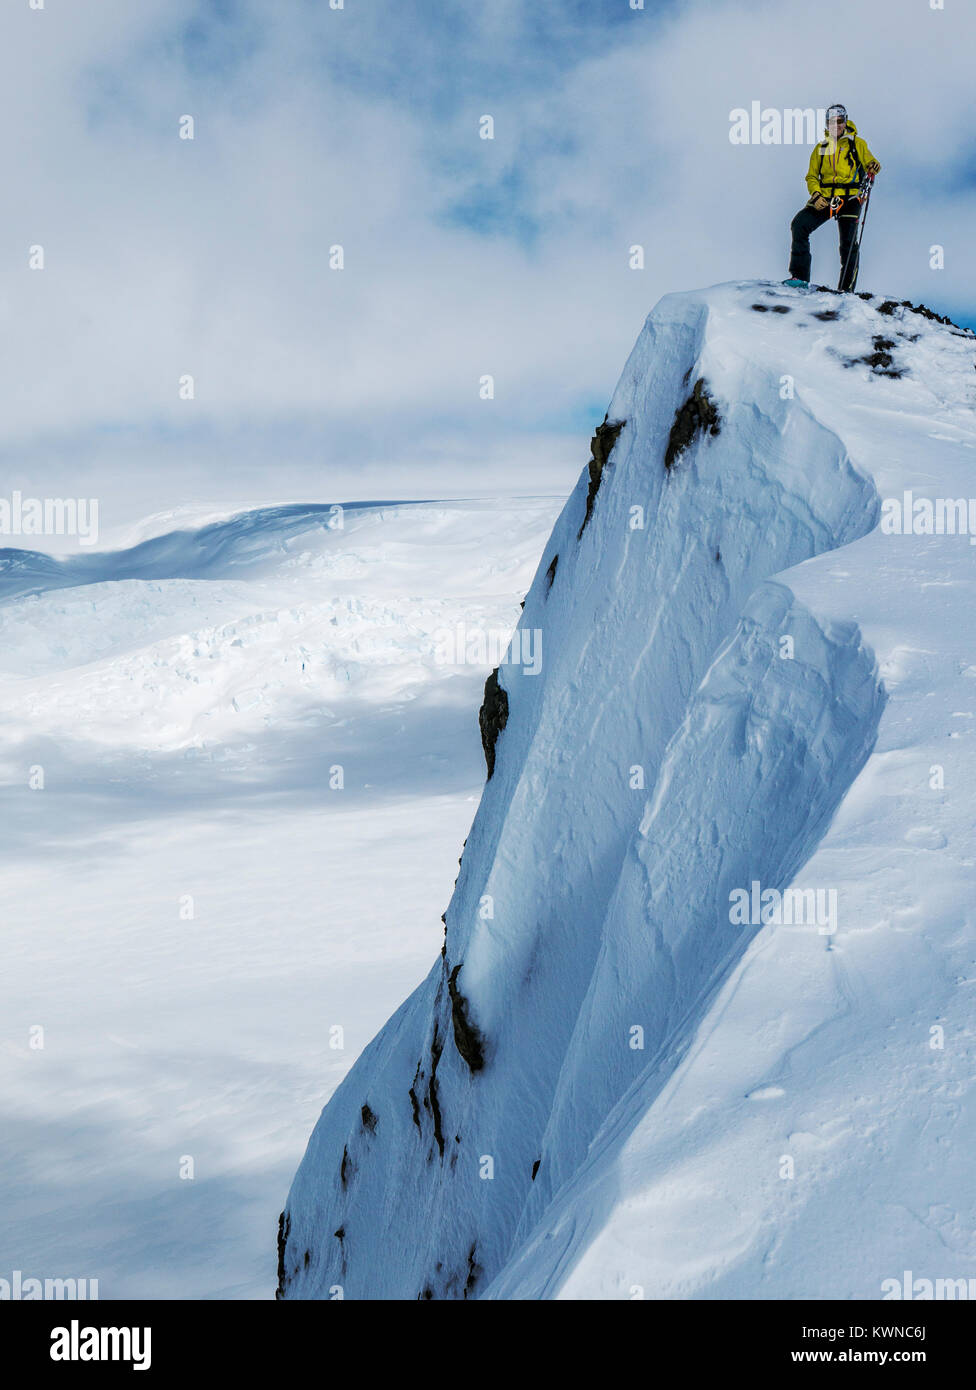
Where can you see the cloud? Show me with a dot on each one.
(463, 257)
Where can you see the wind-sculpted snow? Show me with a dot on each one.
(694, 729)
(780, 741)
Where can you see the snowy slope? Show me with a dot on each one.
(187, 702)
(604, 1087)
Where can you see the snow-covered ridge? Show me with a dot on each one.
(708, 698)
(248, 541)
(207, 632)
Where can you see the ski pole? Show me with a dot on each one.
(860, 233)
(855, 246)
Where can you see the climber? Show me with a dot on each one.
(840, 167)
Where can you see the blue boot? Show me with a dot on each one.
(798, 284)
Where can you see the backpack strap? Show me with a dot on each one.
(855, 158)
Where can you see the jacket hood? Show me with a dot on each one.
(851, 129)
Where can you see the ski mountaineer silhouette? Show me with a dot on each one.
(839, 179)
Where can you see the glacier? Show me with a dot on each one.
(604, 1088)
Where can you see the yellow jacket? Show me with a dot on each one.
(831, 164)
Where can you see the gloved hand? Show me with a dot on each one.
(819, 202)
(874, 167)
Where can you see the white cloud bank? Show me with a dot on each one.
(360, 127)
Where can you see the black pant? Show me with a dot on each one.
(807, 220)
